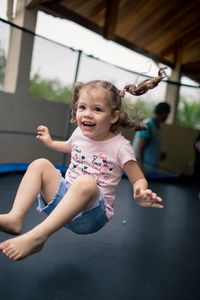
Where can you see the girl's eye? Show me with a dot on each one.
(81, 107)
(98, 109)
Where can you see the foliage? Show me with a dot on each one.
(51, 90)
(140, 108)
(188, 114)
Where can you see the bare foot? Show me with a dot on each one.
(22, 246)
(10, 224)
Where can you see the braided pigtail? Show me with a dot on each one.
(145, 85)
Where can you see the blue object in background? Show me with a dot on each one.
(22, 167)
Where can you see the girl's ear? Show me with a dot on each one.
(115, 117)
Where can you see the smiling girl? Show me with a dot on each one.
(83, 200)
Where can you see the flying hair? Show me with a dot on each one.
(145, 85)
(115, 97)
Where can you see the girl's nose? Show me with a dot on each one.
(88, 113)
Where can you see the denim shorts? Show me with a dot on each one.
(87, 221)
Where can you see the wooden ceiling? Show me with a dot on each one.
(166, 31)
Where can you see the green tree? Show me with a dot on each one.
(51, 90)
(139, 108)
(188, 114)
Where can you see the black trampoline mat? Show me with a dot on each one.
(141, 254)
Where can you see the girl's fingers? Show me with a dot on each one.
(42, 128)
(148, 198)
(159, 199)
(148, 191)
(39, 135)
(157, 205)
(138, 191)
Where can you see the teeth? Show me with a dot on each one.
(88, 124)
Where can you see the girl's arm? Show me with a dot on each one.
(142, 195)
(44, 136)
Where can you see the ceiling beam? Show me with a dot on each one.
(36, 3)
(112, 7)
(32, 3)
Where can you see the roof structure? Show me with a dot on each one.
(166, 31)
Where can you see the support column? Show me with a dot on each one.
(20, 50)
(172, 93)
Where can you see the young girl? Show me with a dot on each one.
(83, 201)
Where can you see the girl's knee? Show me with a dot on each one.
(40, 163)
(87, 184)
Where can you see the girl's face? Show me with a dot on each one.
(94, 116)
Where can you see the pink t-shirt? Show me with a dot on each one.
(103, 160)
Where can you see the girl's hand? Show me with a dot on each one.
(43, 135)
(147, 198)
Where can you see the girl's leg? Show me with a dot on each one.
(42, 176)
(82, 193)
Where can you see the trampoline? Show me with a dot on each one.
(155, 254)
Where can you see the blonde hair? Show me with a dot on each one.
(115, 97)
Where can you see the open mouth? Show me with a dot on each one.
(88, 124)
